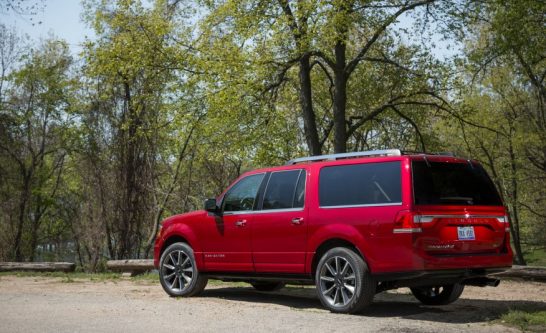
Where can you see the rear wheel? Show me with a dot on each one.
(438, 295)
(178, 272)
(267, 286)
(343, 281)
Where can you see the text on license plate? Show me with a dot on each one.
(466, 233)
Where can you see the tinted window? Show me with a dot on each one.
(281, 190)
(452, 184)
(299, 197)
(243, 194)
(360, 184)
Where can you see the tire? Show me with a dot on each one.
(267, 286)
(178, 272)
(438, 295)
(343, 282)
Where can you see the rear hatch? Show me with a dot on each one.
(457, 208)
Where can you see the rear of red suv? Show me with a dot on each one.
(455, 227)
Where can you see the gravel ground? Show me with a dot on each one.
(41, 304)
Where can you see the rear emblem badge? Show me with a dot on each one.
(441, 246)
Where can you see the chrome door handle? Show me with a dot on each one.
(297, 220)
(240, 223)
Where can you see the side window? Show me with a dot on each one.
(243, 194)
(360, 184)
(299, 196)
(281, 190)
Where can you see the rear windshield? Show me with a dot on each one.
(360, 184)
(453, 184)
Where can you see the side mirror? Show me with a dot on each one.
(210, 205)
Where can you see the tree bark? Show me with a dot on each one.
(25, 195)
(340, 99)
(514, 225)
(306, 103)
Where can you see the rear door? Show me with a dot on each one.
(279, 229)
(458, 209)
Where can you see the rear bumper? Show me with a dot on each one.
(439, 274)
(434, 277)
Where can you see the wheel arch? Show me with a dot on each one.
(181, 232)
(174, 238)
(331, 235)
(329, 244)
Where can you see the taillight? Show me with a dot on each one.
(405, 223)
(506, 221)
(423, 218)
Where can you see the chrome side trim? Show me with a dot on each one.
(363, 205)
(239, 212)
(429, 218)
(281, 210)
(406, 230)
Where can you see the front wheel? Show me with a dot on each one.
(178, 272)
(438, 295)
(344, 284)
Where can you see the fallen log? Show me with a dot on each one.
(37, 266)
(133, 266)
(524, 272)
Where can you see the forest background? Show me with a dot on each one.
(171, 100)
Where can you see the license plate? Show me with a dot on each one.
(466, 233)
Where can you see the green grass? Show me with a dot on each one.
(67, 277)
(535, 257)
(146, 278)
(529, 321)
(227, 284)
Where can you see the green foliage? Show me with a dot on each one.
(68, 277)
(174, 99)
(529, 321)
(34, 144)
(501, 111)
(535, 256)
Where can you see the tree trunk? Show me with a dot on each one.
(21, 220)
(33, 242)
(340, 99)
(306, 103)
(514, 226)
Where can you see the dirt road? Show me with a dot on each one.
(39, 304)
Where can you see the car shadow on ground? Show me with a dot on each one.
(465, 310)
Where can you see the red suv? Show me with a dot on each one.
(353, 224)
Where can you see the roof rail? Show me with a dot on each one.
(333, 157)
(440, 153)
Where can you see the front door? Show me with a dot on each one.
(227, 244)
(279, 229)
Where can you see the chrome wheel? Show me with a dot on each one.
(337, 281)
(177, 271)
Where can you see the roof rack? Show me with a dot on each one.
(441, 153)
(333, 157)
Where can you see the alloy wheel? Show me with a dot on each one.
(337, 281)
(178, 271)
